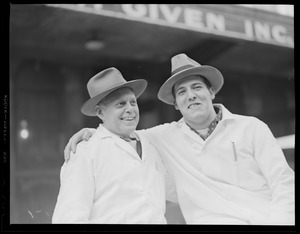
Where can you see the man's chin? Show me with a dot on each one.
(129, 128)
(195, 116)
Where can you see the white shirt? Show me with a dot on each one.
(106, 181)
(215, 186)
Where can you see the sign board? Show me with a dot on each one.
(202, 18)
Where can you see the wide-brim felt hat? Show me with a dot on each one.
(105, 82)
(182, 67)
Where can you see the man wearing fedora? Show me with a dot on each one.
(116, 177)
(228, 168)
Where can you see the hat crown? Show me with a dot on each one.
(182, 62)
(105, 80)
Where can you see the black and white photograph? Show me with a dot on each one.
(149, 116)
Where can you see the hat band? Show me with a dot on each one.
(181, 68)
(94, 93)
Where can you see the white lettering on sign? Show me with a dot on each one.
(262, 31)
(279, 33)
(200, 19)
(215, 22)
(170, 15)
(266, 32)
(139, 10)
(249, 29)
(193, 18)
(153, 11)
(93, 6)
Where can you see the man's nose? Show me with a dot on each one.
(191, 95)
(128, 107)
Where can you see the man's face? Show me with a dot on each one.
(194, 100)
(119, 112)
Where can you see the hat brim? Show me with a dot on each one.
(213, 75)
(137, 86)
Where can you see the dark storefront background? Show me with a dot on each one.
(49, 69)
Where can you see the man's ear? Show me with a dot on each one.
(99, 112)
(175, 105)
(212, 93)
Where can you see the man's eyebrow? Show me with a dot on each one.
(198, 82)
(179, 88)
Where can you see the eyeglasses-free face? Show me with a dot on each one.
(119, 112)
(194, 100)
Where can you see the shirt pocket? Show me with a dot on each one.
(248, 174)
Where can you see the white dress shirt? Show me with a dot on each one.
(106, 181)
(238, 175)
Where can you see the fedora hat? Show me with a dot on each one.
(182, 67)
(106, 81)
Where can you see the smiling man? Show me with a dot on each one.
(228, 168)
(116, 177)
(198, 109)
(111, 111)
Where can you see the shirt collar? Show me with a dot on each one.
(212, 125)
(222, 116)
(226, 114)
(103, 132)
(222, 113)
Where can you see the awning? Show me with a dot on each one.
(227, 20)
(287, 142)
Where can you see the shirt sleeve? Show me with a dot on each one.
(279, 175)
(92, 130)
(75, 199)
(153, 135)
